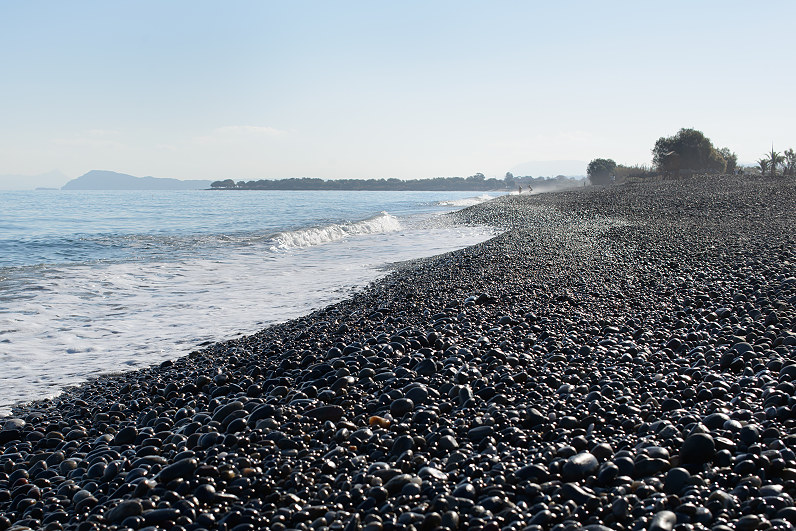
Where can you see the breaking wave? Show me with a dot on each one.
(309, 237)
(465, 202)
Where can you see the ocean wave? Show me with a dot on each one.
(466, 202)
(309, 237)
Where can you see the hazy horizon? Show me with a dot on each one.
(262, 90)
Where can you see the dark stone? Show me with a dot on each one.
(698, 448)
(480, 433)
(123, 510)
(663, 521)
(400, 407)
(676, 480)
(579, 466)
(324, 413)
(181, 469)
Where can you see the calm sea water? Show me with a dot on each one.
(97, 282)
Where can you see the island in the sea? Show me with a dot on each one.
(111, 180)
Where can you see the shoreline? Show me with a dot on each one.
(159, 296)
(617, 356)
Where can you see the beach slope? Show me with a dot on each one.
(618, 358)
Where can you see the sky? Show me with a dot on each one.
(411, 89)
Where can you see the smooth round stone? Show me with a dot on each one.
(535, 418)
(480, 433)
(749, 434)
(396, 483)
(96, 470)
(401, 407)
(646, 467)
(431, 472)
(698, 448)
(715, 420)
(125, 509)
(427, 367)
(541, 518)
(450, 520)
(676, 480)
(447, 442)
(410, 489)
(625, 465)
(658, 452)
(205, 493)
(465, 490)
(14, 424)
(571, 491)
(602, 451)
(181, 469)
(418, 394)
(742, 347)
(607, 473)
(750, 522)
(324, 413)
(432, 520)
(663, 521)
(402, 444)
(579, 466)
(126, 435)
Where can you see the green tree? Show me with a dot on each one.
(228, 183)
(688, 149)
(600, 171)
(763, 165)
(790, 162)
(774, 160)
(730, 158)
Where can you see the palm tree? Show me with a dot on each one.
(790, 162)
(774, 160)
(763, 165)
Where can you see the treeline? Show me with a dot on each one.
(475, 183)
(687, 153)
(774, 162)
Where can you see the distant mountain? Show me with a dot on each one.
(110, 180)
(52, 179)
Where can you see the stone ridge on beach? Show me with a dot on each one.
(619, 358)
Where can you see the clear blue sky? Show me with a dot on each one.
(411, 89)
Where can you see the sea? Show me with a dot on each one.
(95, 282)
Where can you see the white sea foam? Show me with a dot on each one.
(465, 202)
(308, 237)
(80, 321)
(149, 276)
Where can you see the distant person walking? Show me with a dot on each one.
(520, 190)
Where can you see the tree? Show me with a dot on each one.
(790, 162)
(763, 165)
(730, 158)
(228, 183)
(693, 150)
(774, 160)
(600, 171)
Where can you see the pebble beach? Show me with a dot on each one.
(619, 358)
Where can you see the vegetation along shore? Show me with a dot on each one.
(619, 358)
